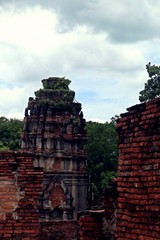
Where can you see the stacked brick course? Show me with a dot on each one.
(20, 189)
(59, 230)
(91, 224)
(138, 215)
(100, 224)
(20, 198)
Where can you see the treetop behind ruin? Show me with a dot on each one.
(152, 86)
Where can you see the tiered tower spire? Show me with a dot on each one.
(54, 129)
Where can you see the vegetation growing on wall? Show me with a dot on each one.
(55, 95)
(55, 92)
(52, 83)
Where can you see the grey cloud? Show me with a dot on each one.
(122, 21)
(91, 62)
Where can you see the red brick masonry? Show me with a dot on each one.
(138, 210)
(91, 224)
(138, 214)
(20, 192)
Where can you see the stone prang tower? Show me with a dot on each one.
(54, 132)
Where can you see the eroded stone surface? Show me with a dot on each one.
(54, 129)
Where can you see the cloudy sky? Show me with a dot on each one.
(102, 46)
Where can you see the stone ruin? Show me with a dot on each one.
(54, 131)
(45, 185)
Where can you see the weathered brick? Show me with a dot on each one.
(138, 209)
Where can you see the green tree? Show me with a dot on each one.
(152, 87)
(101, 150)
(10, 131)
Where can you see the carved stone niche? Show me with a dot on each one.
(56, 202)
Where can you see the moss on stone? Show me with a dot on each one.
(56, 83)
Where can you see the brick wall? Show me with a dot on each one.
(20, 189)
(59, 230)
(110, 206)
(20, 202)
(138, 213)
(100, 224)
(91, 225)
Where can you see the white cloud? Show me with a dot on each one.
(11, 104)
(103, 50)
(29, 29)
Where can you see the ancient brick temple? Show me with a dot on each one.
(54, 131)
(45, 185)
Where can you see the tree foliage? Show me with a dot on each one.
(101, 149)
(152, 87)
(10, 131)
(102, 152)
